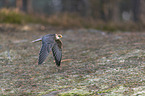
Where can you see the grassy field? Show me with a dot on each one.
(94, 63)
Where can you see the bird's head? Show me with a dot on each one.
(58, 36)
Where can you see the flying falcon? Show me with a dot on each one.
(50, 42)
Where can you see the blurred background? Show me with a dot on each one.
(109, 15)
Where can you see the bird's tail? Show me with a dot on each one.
(37, 40)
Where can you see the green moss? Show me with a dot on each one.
(15, 17)
(117, 90)
(106, 91)
(75, 92)
(46, 92)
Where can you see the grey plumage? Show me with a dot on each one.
(50, 42)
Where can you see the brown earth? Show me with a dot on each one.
(94, 63)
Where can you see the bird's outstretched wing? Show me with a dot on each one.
(43, 53)
(47, 44)
(45, 49)
(57, 52)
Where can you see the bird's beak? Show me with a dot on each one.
(37, 40)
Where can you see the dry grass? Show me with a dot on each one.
(15, 16)
(66, 20)
(94, 63)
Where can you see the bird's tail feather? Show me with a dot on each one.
(37, 40)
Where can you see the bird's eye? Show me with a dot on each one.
(59, 36)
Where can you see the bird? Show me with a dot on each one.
(50, 42)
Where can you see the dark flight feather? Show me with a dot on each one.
(57, 53)
(43, 53)
(49, 43)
